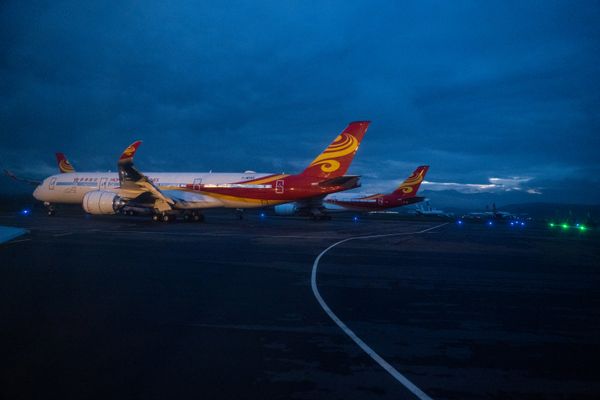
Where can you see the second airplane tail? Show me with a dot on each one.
(410, 186)
(335, 160)
(63, 164)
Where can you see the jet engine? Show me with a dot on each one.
(286, 209)
(101, 202)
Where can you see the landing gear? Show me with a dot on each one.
(193, 217)
(51, 210)
(163, 218)
(240, 213)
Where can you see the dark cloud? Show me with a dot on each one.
(476, 90)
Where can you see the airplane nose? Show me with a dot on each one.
(36, 193)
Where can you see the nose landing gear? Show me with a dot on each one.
(50, 209)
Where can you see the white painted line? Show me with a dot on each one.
(62, 234)
(17, 241)
(365, 347)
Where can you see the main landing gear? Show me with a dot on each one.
(188, 217)
(240, 213)
(193, 217)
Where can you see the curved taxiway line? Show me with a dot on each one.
(365, 347)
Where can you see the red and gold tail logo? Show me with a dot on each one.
(65, 166)
(412, 183)
(129, 152)
(342, 146)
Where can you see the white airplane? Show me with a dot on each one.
(166, 195)
(427, 210)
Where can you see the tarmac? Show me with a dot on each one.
(122, 307)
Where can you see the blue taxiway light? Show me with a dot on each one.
(262, 215)
(355, 219)
(25, 211)
(490, 223)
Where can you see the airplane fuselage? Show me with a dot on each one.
(369, 203)
(195, 189)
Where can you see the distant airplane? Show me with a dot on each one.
(404, 194)
(487, 216)
(167, 195)
(427, 210)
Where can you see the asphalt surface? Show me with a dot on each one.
(103, 307)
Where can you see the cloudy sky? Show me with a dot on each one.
(499, 98)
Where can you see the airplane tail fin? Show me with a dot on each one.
(64, 165)
(410, 186)
(335, 160)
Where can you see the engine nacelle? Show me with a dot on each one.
(286, 209)
(101, 202)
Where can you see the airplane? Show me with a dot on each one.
(428, 211)
(488, 216)
(167, 195)
(404, 194)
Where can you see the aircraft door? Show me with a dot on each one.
(51, 183)
(279, 186)
(197, 183)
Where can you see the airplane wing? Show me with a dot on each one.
(134, 184)
(138, 190)
(31, 182)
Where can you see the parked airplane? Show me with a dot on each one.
(169, 194)
(404, 194)
(488, 216)
(427, 210)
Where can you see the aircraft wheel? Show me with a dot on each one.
(156, 218)
(167, 218)
(51, 213)
(187, 217)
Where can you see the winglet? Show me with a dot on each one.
(335, 160)
(410, 186)
(64, 166)
(129, 152)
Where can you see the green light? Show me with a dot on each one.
(565, 226)
(582, 228)
(551, 224)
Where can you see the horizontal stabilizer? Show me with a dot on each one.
(350, 181)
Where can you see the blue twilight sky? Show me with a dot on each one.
(498, 97)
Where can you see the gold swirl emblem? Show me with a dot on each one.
(65, 166)
(342, 146)
(129, 151)
(414, 179)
